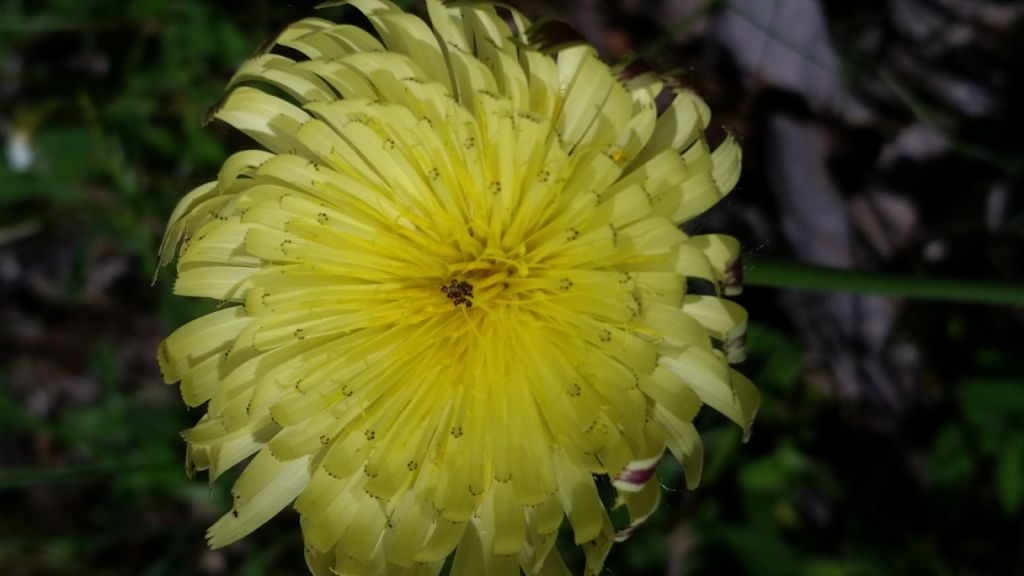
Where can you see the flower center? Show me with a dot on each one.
(459, 292)
(483, 282)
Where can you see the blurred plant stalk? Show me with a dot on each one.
(805, 277)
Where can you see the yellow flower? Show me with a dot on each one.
(455, 292)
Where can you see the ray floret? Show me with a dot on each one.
(455, 293)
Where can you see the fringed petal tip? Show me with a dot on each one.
(748, 429)
(733, 284)
(636, 474)
(629, 530)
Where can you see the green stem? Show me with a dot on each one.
(821, 279)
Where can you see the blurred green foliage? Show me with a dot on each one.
(112, 98)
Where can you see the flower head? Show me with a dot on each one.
(455, 292)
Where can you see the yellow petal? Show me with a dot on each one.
(682, 123)
(719, 386)
(640, 504)
(262, 491)
(580, 500)
(198, 340)
(269, 120)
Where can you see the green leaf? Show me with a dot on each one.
(993, 407)
(105, 365)
(949, 462)
(720, 447)
(775, 474)
(783, 358)
(143, 9)
(64, 161)
(14, 415)
(235, 46)
(1010, 476)
(754, 543)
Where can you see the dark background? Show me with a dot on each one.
(880, 136)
